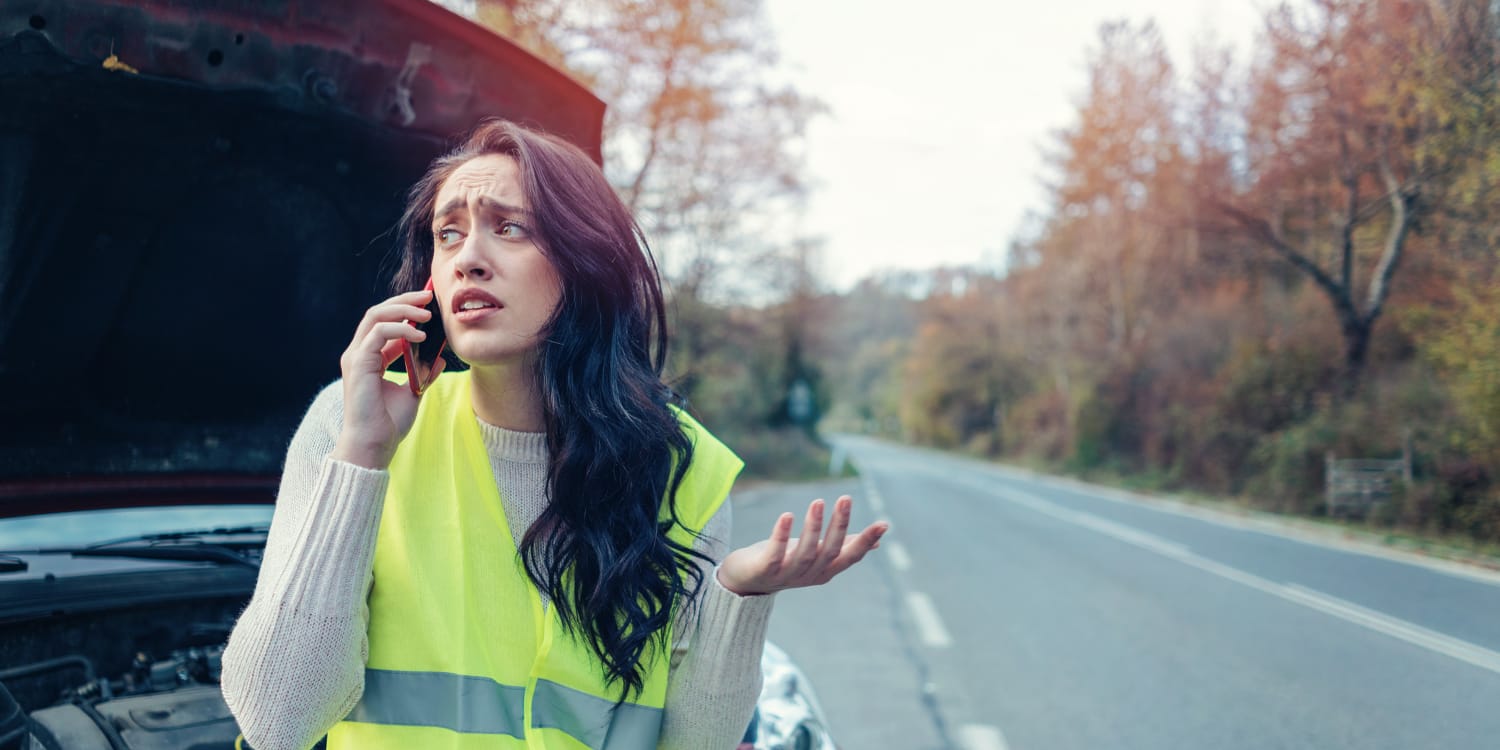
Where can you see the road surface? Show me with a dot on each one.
(1009, 611)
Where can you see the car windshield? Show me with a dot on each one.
(84, 528)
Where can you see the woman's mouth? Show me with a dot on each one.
(472, 305)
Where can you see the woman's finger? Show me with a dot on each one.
(384, 333)
(389, 353)
(838, 527)
(369, 354)
(402, 307)
(806, 552)
(855, 549)
(781, 533)
(374, 319)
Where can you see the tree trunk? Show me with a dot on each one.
(1356, 332)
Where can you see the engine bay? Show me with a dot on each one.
(127, 679)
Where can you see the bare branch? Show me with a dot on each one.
(1395, 242)
(1349, 176)
(1260, 230)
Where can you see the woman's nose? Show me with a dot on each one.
(470, 260)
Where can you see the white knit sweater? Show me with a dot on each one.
(295, 662)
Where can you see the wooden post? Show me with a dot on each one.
(1328, 481)
(1406, 456)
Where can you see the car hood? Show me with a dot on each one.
(195, 208)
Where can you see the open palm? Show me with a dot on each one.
(782, 562)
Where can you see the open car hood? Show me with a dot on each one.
(195, 205)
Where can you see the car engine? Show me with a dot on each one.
(170, 703)
(163, 691)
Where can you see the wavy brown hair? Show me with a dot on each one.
(617, 453)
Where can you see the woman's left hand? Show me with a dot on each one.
(782, 562)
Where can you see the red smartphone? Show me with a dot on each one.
(421, 358)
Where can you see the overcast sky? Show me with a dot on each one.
(932, 154)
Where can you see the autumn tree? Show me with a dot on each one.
(869, 335)
(1116, 167)
(1112, 254)
(703, 142)
(1350, 137)
(965, 369)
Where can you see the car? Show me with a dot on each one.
(116, 643)
(177, 180)
(787, 714)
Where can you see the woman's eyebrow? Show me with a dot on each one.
(448, 208)
(485, 202)
(494, 206)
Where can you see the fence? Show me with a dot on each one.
(1354, 485)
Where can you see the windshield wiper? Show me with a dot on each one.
(178, 536)
(185, 546)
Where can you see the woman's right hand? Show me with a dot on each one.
(377, 412)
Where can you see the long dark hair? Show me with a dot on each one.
(616, 451)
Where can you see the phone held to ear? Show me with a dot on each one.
(421, 358)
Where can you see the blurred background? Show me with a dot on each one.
(1192, 246)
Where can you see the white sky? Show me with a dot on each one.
(933, 152)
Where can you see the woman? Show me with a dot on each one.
(526, 560)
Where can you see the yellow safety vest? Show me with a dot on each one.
(462, 652)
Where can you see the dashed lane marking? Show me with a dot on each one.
(929, 626)
(899, 558)
(981, 737)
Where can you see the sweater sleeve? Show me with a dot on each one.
(715, 678)
(294, 664)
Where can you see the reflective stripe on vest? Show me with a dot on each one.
(462, 652)
(478, 705)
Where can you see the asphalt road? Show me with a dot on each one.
(1007, 611)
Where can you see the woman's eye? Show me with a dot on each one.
(445, 236)
(511, 230)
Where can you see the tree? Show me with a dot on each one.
(702, 143)
(965, 369)
(1349, 139)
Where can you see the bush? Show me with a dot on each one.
(1040, 426)
(1288, 467)
(1093, 442)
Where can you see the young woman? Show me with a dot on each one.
(524, 555)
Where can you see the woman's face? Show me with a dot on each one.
(494, 286)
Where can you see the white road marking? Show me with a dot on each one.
(1102, 525)
(897, 553)
(929, 625)
(1285, 528)
(1348, 611)
(1413, 634)
(981, 737)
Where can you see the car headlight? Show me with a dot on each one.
(790, 716)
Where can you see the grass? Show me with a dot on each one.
(784, 455)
